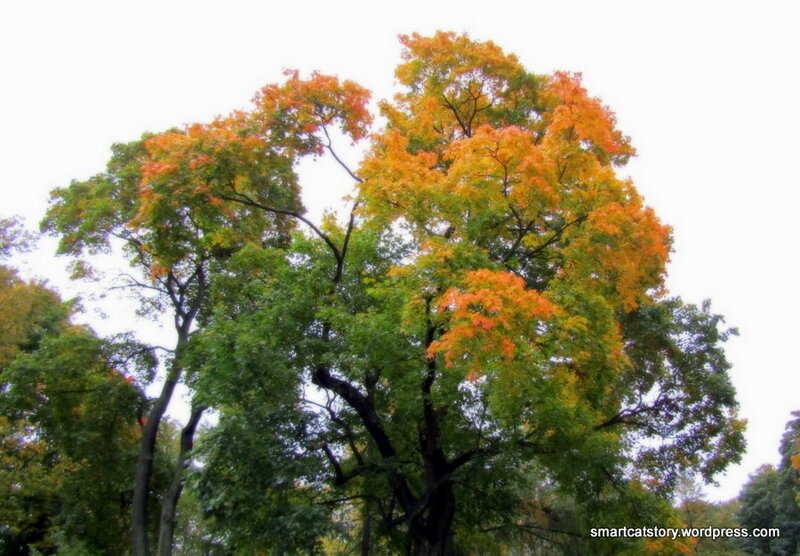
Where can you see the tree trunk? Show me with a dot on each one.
(432, 531)
(185, 313)
(144, 466)
(366, 529)
(166, 530)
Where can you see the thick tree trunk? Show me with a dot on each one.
(169, 506)
(144, 466)
(432, 532)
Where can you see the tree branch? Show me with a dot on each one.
(555, 237)
(245, 200)
(329, 146)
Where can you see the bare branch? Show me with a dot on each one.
(329, 146)
(245, 200)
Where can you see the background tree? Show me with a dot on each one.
(771, 497)
(68, 429)
(694, 511)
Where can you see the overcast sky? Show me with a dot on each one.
(708, 91)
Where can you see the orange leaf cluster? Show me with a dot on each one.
(452, 82)
(499, 168)
(488, 317)
(585, 116)
(396, 177)
(187, 171)
(624, 246)
(291, 113)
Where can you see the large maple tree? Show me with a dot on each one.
(488, 320)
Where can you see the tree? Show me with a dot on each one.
(492, 303)
(73, 405)
(161, 197)
(772, 499)
(486, 322)
(698, 513)
(172, 257)
(68, 428)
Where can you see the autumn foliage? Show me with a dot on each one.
(486, 328)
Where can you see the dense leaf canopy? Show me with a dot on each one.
(480, 354)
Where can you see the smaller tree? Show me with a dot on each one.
(182, 202)
(68, 428)
(771, 497)
(155, 199)
(694, 511)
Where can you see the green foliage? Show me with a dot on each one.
(68, 407)
(14, 237)
(256, 492)
(771, 497)
(679, 369)
(80, 415)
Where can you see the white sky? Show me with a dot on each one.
(707, 90)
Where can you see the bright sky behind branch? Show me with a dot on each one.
(707, 91)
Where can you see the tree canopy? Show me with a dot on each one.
(479, 354)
